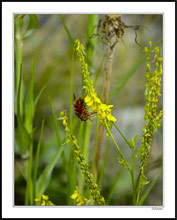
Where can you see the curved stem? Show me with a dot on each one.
(133, 175)
(120, 152)
(122, 134)
(133, 163)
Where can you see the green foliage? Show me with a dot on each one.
(22, 136)
(54, 170)
(45, 177)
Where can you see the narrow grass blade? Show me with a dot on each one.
(113, 188)
(99, 71)
(18, 59)
(90, 42)
(67, 30)
(95, 147)
(55, 123)
(33, 24)
(152, 184)
(39, 94)
(29, 109)
(22, 136)
(100, 181)
(29, 177)
(44, 178)
(130, 73)
(37, 156)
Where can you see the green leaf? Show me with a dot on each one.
(127, 76)
(113, 188)
(99, 71)
(33, 24)
(57, 130)
(55, 123)
(67, 30)
(90, 42)
(130, 73)
(39, 94)
(132, 143)
(21, 134)
(150, 188)
(37, 153)
(29, 110)
(44, 178)
(135, 138)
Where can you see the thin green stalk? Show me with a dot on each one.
(29, 178)
(114, 185)
(150, 188)
(37, 158)
(95, 147)
(122, 135)
(104, 164)
(85, 151)
(133, 175)
(55, 124)
(18, 59)
(70, 162)
(90, 42)
(80, 143)
(133, 163)
(67, 30)
(121, 154)
(130, 73)
(98, 71)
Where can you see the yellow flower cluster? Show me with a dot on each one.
(103, 111)
(44, 201)
(80, 200)
(152, 93)
(81, 160)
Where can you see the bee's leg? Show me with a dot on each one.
(90, 119)
(93, 113)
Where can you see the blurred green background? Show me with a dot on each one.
(53, 66)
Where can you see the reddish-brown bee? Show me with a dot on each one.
(81, 110)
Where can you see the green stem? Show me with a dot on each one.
(85, 151)
(19, 47)
(114, 185)
(37, 158)
(95, 147)
(70, 163)
(150, 188)
(122, 135)
(121, 154)
(29, 179)
(104, 164)
(133, 175)
(133, 163)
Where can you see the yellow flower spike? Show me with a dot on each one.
(43, 203)
(103, 114)
(45, 197)
(97, 100)
(146, 49)
(37, 199)
(80, 203)
(90, 103)
(87, 99)
(103, 111)
(111, 118)
(74, 195)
